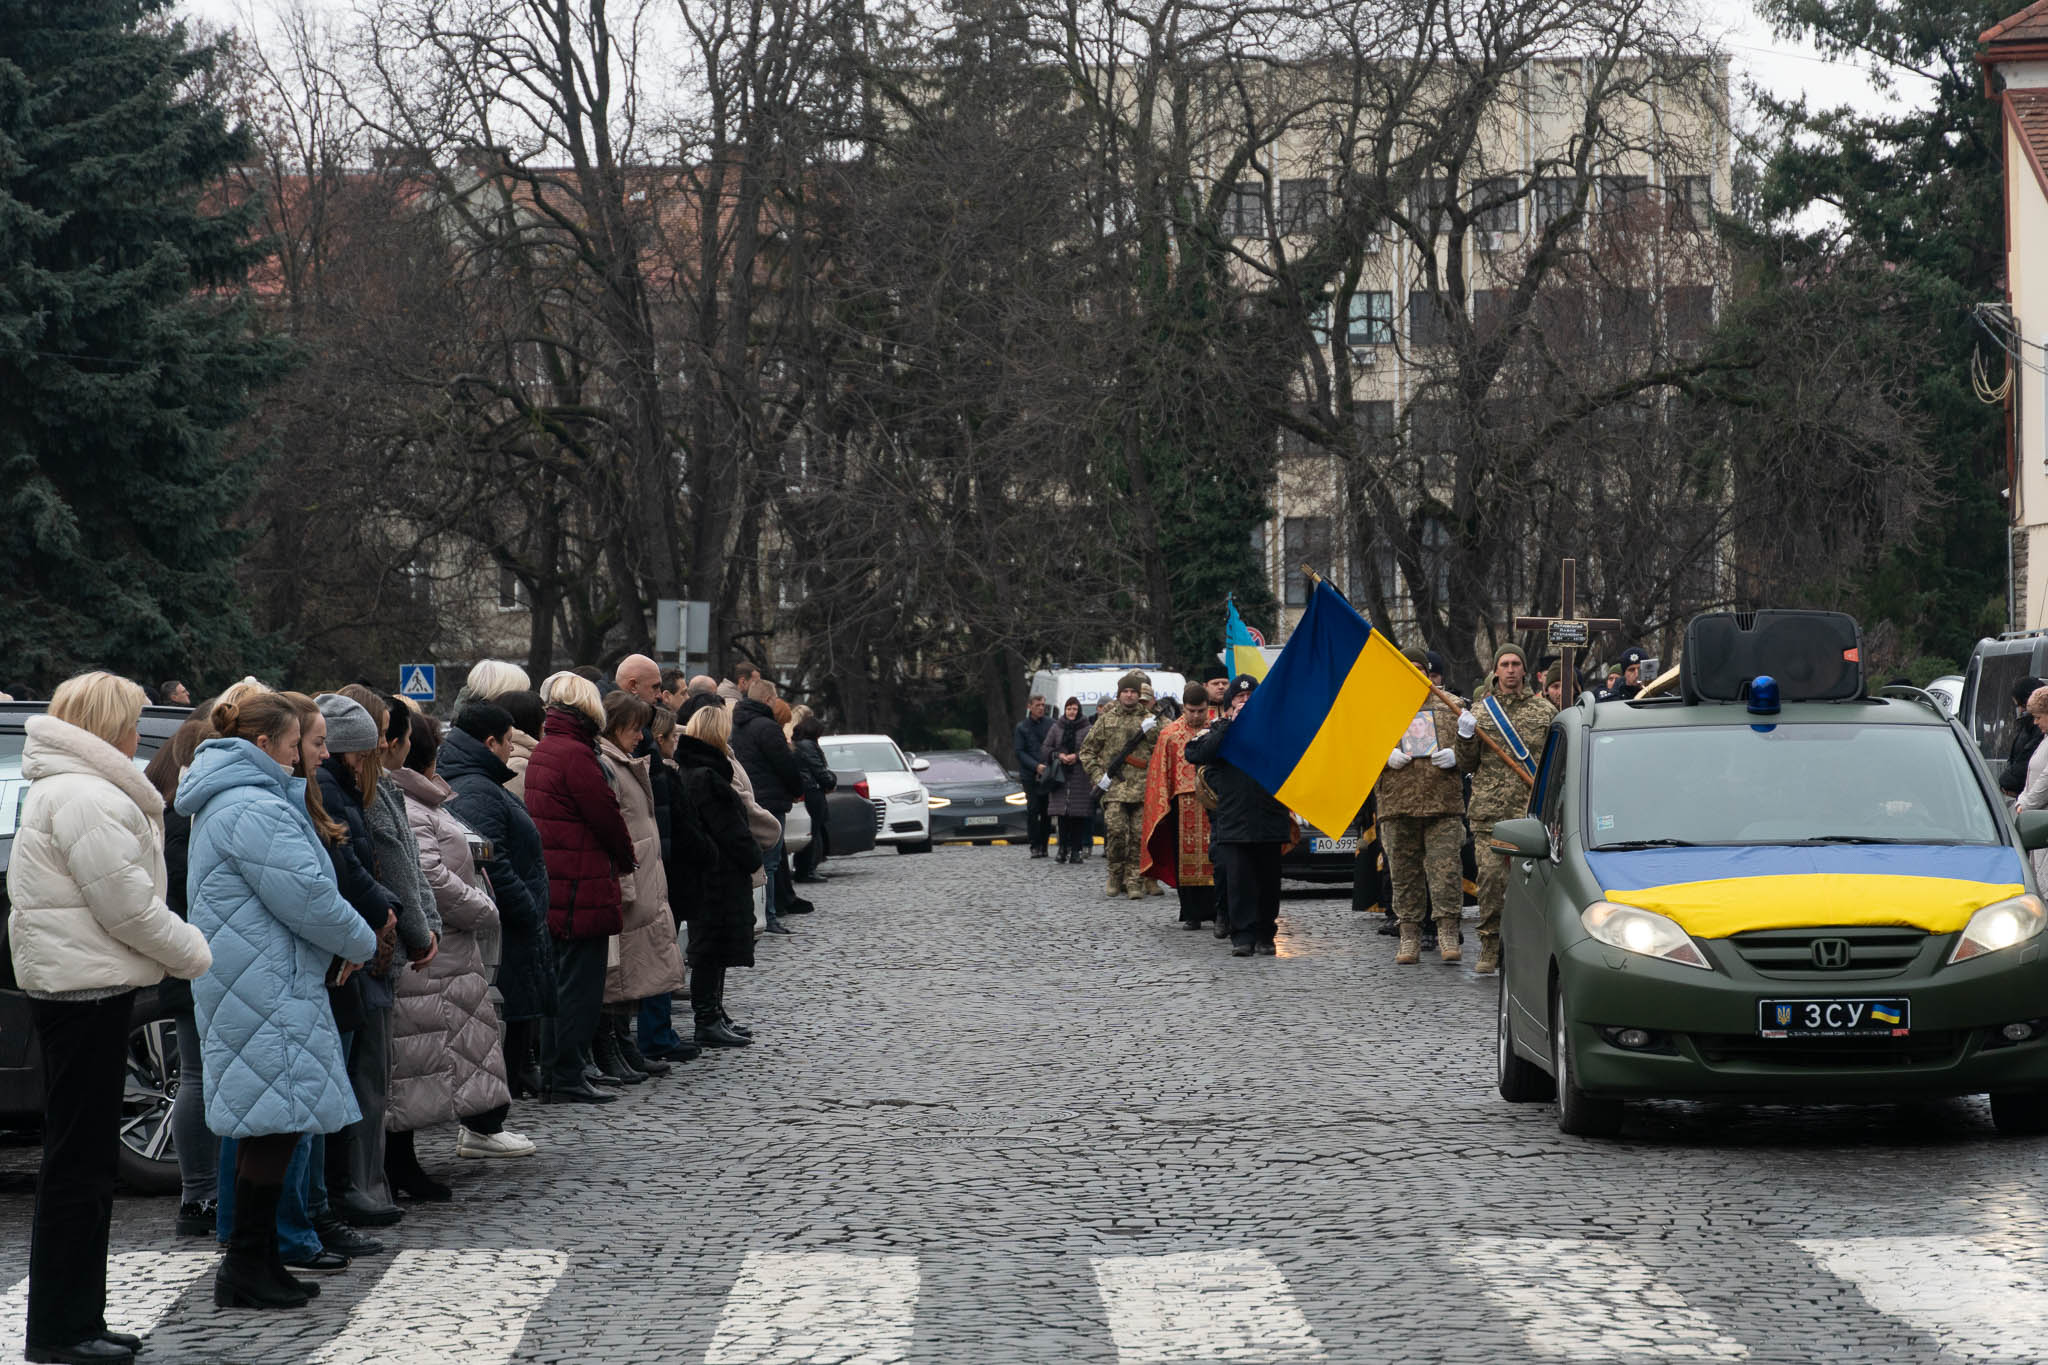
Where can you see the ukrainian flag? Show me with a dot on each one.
(1317, 732)
(1242, 653)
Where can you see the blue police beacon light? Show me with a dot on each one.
(1763, 695)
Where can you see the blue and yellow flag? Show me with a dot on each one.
(1317, 732)
(1241, 652)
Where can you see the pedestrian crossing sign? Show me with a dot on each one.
(416, 682)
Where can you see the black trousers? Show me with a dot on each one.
(579, 1001)
(1077, 836)
(85, 1048)
(1037, 804)
(1250, 877)
(707, 994)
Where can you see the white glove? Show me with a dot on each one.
(1103, 785)
(1445, 758)
(1468, 724)
(1400, 758)
(1151, 724)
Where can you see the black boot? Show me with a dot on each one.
(622, 1034)
(604, 1050)
(244, 1279)
(402, 1168)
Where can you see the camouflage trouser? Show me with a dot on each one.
(1422, 854)
(1124, 829)
(1493, 879)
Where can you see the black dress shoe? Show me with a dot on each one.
(579, 1094)
(1190, 924)
(336, 1235)
(326, 1262)
(358, 1215)
(1389, 928)
(1266, 949)
(630, 1052)
(127, 1339)
(811, 879)
(98, 1351)
(419, 1185)
(718, 1035)
(741, 1029)
(1222, 929)
(681, 1051)
(799, 906)
(1038, 853)
(779, 928)
(1240, 950)
(200, 1218)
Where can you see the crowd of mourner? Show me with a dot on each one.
(332, 885)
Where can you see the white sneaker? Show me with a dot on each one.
(507, 1143)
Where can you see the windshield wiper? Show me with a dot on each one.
(1859, 839)
(1628, 844)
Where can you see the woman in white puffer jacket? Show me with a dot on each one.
(87, 928)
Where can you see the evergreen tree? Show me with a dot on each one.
(1921, 188)
(125, 355)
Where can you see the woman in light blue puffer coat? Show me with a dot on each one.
(263, 893)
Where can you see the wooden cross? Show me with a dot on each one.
(1566, 632)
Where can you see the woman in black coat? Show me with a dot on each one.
(1071, 798)
(818, 780)
(717, 895)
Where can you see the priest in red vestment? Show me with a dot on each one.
(1176, 828)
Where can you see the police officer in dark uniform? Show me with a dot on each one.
(1630, 682)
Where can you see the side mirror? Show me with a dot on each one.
(918, 765)
(1525, 837)
(2032, 827)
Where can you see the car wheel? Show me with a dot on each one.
(1521, 1081)
(2020, 1113)
(1578, 1113)
(147, 1161)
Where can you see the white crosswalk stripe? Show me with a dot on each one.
(1202, 1305)
(817, 1308)
(1976, 1303)
(141, 1287)
(1582, 1300)
(470, 1306)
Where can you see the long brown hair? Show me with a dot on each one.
(368, 765)
(331, 831)
(168, 764)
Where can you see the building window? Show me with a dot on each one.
(1688, 312)
(1692, 202)
(1490, 309)
(1497, 204)
(1625, 317)
(1429, 318)
(1372, 318)
(511, 592)
(1244, 211)
(1432, 426)
(1304, 205)
(1552, 197)
(1620, 195)
(1306, 541)
(1374, 419)
(1432, 197)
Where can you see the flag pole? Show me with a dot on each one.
(1456, 703)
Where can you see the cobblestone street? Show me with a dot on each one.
(993, 1117)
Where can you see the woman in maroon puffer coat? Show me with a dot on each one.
(584, 839)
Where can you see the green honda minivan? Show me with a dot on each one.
(1770, 887)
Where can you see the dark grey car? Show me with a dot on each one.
(973, 797)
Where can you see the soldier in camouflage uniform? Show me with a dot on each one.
(1117, 768)
(1498, 793)
(1422, 826)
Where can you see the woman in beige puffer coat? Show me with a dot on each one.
(447, 1044)
(648, 961)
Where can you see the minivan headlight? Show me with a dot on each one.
(1642, 931)
(2000, 926)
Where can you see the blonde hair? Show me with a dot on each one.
(237, 693)
(100, 704)
(713, 725)
(492, 678)
(576, 692)
(798, 714)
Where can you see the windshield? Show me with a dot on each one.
(974, 767)
(1729, 784)
(868, 756)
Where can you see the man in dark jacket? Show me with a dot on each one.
(1250, 828)
(2012, 778)
(763, 751)
(1029, 742)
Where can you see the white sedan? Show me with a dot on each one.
(902, 805)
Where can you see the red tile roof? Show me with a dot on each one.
(2030, 25)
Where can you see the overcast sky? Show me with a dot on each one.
(1784, 68)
